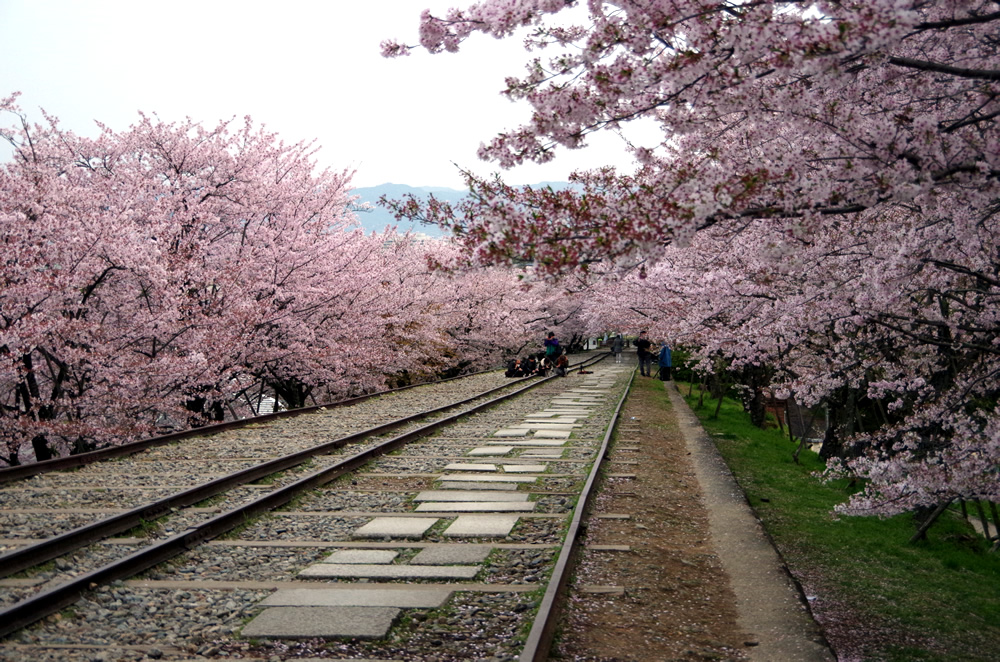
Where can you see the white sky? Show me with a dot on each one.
(305, 69)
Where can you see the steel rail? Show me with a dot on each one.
(543, 629)
(31, 555)
(17, 472)
(47, 602)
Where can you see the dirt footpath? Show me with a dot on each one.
(700, 581)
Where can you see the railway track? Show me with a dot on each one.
(433, 539)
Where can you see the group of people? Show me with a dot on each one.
(553, 358)
(644, 351)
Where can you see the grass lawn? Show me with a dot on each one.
(877, 596)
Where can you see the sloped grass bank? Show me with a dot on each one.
(877, 596)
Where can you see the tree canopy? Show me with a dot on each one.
(823, 202)
(169, 275)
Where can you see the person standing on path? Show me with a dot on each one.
(665, 362)
(616, 347)
(642, 346)
(552, 348)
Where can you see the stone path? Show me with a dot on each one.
(484, 498)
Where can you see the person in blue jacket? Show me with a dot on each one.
(665, 361)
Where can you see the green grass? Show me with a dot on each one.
(938, 599)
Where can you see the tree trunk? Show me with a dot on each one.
(921, 533)
(996, 521)
(40, 444)
(756, 408)
(983, 522)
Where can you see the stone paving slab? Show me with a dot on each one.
(452, 554)
(406, 598)
(314, 622)
(525, 468)
(465, 466)
(541, 442)
(362, 556)
(551, 419)
(528, 425)
(510, 432)
(476, 507)
(395, 527)
(487, 478)
(491, 450)
(553, 434)
(455, 495)
(465, 485)
(399, 571)
(487, 526)
(542, 452)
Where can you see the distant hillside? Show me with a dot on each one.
(378, 218)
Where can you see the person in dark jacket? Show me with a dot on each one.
(642, 347)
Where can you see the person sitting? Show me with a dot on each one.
(529, 366)
(562, 365)
(514, 369)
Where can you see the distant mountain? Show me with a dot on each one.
(378, 218)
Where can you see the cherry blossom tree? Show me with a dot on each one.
(172, 274)
(792, 111)
(897, 339)
(823, 201)
(146, 270)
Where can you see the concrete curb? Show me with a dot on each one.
(769, 603)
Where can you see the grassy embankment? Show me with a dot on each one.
(877, 596)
